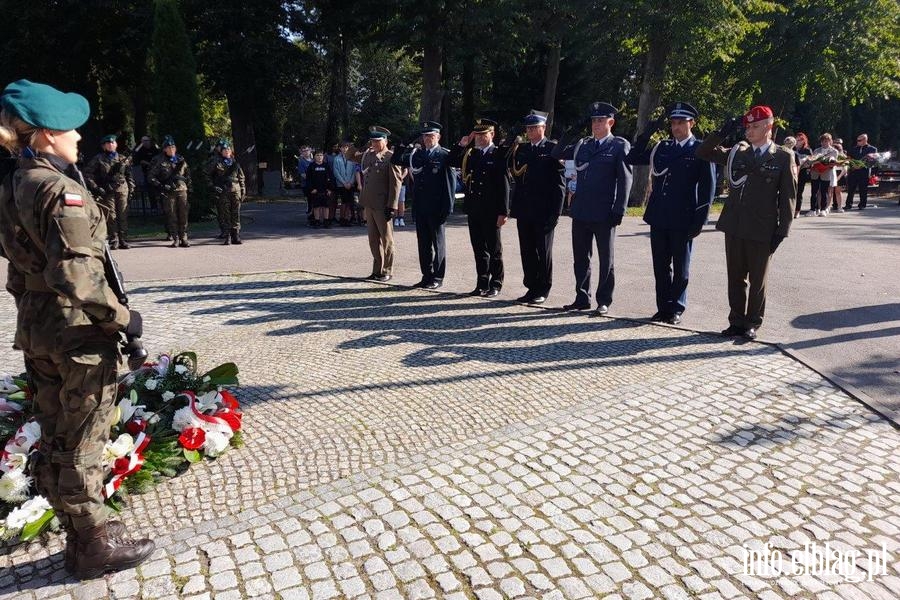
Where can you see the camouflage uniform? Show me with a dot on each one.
(108, 176)
(230, 180)
(53, 234)
(172, 176)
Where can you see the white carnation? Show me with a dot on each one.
(185, 418)
(14, 486)
(151, 384)
(167, 395)
(215, 444)
(181, 369)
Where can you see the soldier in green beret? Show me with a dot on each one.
(69, 321)
(227, 180)
(170, 173)
(108, 176)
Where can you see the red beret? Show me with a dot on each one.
(757, 113)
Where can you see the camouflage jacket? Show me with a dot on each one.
(106, 173)
(171, 172)
(53, 234)
(229, 178)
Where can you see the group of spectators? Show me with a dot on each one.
(331, 183)
(828, 168)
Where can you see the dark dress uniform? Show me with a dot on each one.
(858, 179)
(487, 197)
(434, 190)
(108, 176)
(601, 193)
(756, 217)
(538, 194)
(683, 187)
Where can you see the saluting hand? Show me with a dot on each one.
(464, 140)
(501, 220)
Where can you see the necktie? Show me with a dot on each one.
(596, 144)
(758, 153)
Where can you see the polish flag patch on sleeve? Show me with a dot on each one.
(73, 200)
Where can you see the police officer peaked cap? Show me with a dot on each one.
(536, 117)
(602, 110)
(108, 138)
(431, 127)
(484, 125)
(682, 110)
(44, 106)
(378, 133)
(168, 141)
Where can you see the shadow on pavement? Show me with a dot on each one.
(854, 317)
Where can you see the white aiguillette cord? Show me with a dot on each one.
(584, 165)
(735, 183)
(653, 170)
(414, 170)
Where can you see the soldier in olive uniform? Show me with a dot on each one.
(69, 321)
(108, 176)
(538, 194)
(483, 170)
(434, 190)
(227, 180)
(379, 196)
(757, 215)
(170, 173)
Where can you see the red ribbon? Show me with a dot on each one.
(121, 469)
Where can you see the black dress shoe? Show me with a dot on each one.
(577, 306)
(659, 317)
(372, 276)
(525, 299)
(383, 278)
(674, 319)
(538, 299)
(750, 334)
(432, 285)
(421, 284)
(492, 293)
(602, 310)
(477, 292)
(733, 331)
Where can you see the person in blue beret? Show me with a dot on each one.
(683, 187)
(537, 202)
(108, 176)
(434, 190)
(603, 186)
(69, 322)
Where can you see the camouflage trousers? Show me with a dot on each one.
(228, 208)
(115, 208)
(175, 205)
(74, 401)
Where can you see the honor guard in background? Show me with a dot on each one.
(434, 190)
(483, 170)
(379, 195)
(69, 321)
(858, 177)
(683, 187)
(762, 189)
(170, 173)
(227, 180)
(538, 194)
(108, 176)
(603, 186)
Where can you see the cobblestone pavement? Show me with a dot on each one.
(407, 444)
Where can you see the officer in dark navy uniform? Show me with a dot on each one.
(434, 189)
(682, 190)
(538, 194)
(602, 189)
(483, 170)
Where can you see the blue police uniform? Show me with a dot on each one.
(434, 190)
(683, 187)
(487, 197)
(538, 194)
(603, 185)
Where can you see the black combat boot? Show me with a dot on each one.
(174, 243)
(113, 244)
(227, 241)
(114, 529)
(236, 236)
(184, 242)
(123, 245)
(98, 552)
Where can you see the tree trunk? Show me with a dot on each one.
(244, 137)
(468, 99)
(333, 99)
(550, 81)
(432, 77)
(651, 89)
(345, 86)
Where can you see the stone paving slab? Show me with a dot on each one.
(406, 444)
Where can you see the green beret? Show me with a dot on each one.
(224, 144)
(108, 138)
(45, 106)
